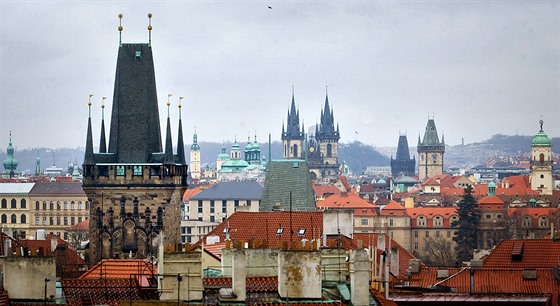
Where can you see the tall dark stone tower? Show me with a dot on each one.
(293, 135)
(135, 187)
(403, 164)
(327, 140)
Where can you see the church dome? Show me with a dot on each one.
(10, 163)
(248, 147)
(256, 146)
(541, 139)
(491, 185)
(223, 155)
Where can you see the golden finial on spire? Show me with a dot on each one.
(180, 106)
(149, 28)
(89, 104)
(103, 107)
(168, 103)
(120, 29)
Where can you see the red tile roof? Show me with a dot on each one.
(82, 226)
(536, 253)
(112, 292)
(394, 209)
(344, 200)
(120, 268)
(430, 182)
(430, 212)
(322, 190)
(191, 192)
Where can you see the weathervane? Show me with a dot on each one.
(149, 29)
(180, 105)
(168, 103)
(89, 104)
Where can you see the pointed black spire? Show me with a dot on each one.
(168, 142)
(180, 144)
(292, 129)
(402, 164)
(88, 158)
(327, 129)
(102, 141)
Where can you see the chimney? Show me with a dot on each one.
(239, 274)
(359, 278)
(54, 243)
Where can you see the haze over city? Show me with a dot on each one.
(479, 68)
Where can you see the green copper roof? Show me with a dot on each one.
(431, 135)
(541, 140)
(10, 163)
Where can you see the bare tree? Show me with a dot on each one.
(439, 252)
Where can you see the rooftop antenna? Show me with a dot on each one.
(120, 30)
(149, 29)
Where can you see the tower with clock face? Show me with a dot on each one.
(430, 152)
(541, 163)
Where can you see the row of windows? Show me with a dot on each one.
(13, 203)
(51, 205)
(427, 234)
(13, 219)
(59, 220)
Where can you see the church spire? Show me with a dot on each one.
(168, 142)
(102, 141)
(88, 158)
(180, 144)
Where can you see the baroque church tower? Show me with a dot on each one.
(541, 163)
(292, 134)
(134, 186)
(327, 138)
(430, 151)
(195, 158)
(402, 164)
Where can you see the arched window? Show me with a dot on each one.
(23, 203)
(438, 221)
(37, 205)
(543, 221)
(87, 204)
(13, 218)
(51, 205)
(421, 221)
(72, 205)
(453, 221)
(526, 221)
(541, 157)
(65, 205)
(44, 205)
(23, 219)
(329, 150)
(295, 150)
(13, 203)
(4, 203)
(4, 218)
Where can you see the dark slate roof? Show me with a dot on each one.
(231, 191)
(431, 135)
(61, 188)
(135, 130)
(283, 177)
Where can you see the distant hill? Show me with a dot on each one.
(358, 155)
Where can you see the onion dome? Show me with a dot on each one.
(541, 139)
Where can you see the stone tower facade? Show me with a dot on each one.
(541, 163)
(195, 158)
(326, 137)
(134, 187)
(402, 164)
(430, 152)
(293, 135)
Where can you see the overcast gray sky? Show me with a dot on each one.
(480, 68)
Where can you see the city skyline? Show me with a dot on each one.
(479, 68)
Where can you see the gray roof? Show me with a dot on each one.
(60, 188)
(284, 177)
(15, 188)
(231, 191)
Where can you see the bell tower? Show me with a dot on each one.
(541, 163)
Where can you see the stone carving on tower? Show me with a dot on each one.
(134, 186)
(541, 163)
(292, 134)
(430, 152)
(402, 164)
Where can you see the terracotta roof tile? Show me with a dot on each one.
(344, 200)
(120, 269)
(535, 253)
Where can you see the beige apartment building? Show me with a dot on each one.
(15, 209)
(55, 206)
